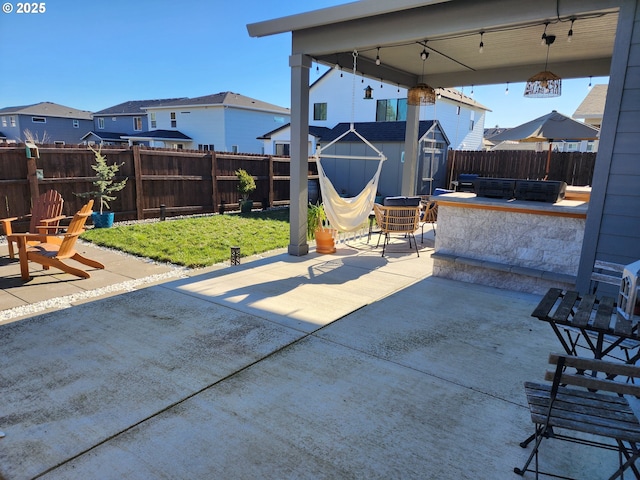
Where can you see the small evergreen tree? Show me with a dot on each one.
(105, 184)
(247, 183)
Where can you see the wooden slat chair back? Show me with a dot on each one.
(429, 214)
(46, 211)
(397, 220)
(52, 250)
(585, 397)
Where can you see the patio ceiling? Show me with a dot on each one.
(450, 31)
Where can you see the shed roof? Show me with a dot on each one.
(381, 132)
(106, 136)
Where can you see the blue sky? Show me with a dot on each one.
(94, 54)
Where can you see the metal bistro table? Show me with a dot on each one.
(593, 320)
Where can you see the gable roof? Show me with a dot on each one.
(378, 131)
(132, 107)
(106, 136)
(317, 132)
(48, 109)
(225, 99)
(593, 104)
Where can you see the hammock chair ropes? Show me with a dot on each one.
(348, 214)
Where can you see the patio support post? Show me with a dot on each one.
(410, 159)
(300, 65)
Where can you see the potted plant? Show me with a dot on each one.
(316, 218)
(246, 185)
(105, 186)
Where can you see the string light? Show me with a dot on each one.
(590, 85)
(471, 94)
(378, 57)
(570, 34)
(424, 54)
(543, 39)
(481, 48)
(506, 91)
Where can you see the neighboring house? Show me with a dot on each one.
(332, 100)
(127, 118)
(350, 176)
(45, 122)
(591, 110)
(226, 121)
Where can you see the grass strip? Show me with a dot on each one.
(198, 241)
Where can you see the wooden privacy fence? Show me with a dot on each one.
(184, 182)
(575, 168)
(192, 182)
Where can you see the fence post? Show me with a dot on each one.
(32, 177)
(217, 200)
(271, 195)
(137, 171)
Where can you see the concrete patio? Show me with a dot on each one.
(325, 366)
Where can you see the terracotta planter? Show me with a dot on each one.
(324, 240)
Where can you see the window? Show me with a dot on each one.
(234, 148)
(12, 120)
(319, 111)
(38, 119)
(174, 123)
(76, 124)
(206, 148)
(391, 110)
(101, 123)
(472, 123)
(153, 120)
(4, 121)
(137, 124)
(283, 149)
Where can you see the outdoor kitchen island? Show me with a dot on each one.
(518, 245)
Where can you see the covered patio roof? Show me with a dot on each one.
(450, 32)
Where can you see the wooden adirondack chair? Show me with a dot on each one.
(46, 211)
(51, 250)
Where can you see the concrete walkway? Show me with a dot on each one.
(344, 366)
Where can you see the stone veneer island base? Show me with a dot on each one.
(512, 244)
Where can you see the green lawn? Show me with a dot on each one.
(198, 241)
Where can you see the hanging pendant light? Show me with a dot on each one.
(545, 84)
(422, 94)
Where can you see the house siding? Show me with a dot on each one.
(344, 103)
(243, 127)
(121, 124)
(613, 223)
(55, 129)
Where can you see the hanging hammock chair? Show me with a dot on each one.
(348, 214)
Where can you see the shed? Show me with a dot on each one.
(350, 176)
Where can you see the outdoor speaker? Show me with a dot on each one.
(540, 190)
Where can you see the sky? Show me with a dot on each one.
(94, 54)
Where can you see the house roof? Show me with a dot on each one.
(377, 131)
(106, 136)
(48, 109)
(593, 104)
(225, 99)
(158, 135)
(490, 132)
(132, 107)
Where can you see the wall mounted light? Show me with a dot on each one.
(368, 93)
